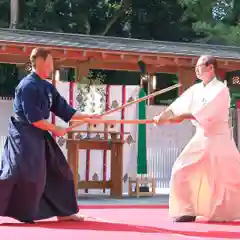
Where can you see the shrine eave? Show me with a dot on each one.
(112, 53)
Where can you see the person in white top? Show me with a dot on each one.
(205, 180)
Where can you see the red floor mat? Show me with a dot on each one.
(118, 223)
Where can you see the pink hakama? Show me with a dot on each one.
(205, 178)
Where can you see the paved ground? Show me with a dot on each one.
(88, 199)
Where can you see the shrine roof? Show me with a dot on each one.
(116, 44)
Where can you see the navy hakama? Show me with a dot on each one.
(35, 179)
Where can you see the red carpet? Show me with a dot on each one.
(108, 222)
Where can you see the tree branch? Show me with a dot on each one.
(125, 4)
(14, 13)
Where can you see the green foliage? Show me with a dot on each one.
(219, 33)
(209, 21)
(8, 79)
(73, 16)
(45, 15)
(4, 13)
(215, 21)
(94, 77)
(159, 20)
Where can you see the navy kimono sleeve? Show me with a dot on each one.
(31, 104)
(61, 108)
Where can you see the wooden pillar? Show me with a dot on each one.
(71, 94)
(145, 83)
(151, 88)
(222, 74)
(80, 72)
(73, 161)
(187, 77)
(116, 169)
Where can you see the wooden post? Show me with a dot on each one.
(187, 77)
(73, 161)
(115, 145)
(152, 89)
(222, 74)
(116, 169)
(81, 71)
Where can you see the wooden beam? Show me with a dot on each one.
(184, 62)
(4, 49)
(15, 50)
(94, 184)
(130, 58)
(56, 52)
(111, 57)
(119, 66)
(229, 65)
(81, 55)
(162, 61)
(13, 59)
(152, 69)
(93, 55)
(149, 59)
(119, 57)
(68, 54)
(145, 56)
(16, 53)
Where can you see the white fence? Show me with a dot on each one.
(164, 144)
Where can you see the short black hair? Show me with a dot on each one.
(38, 52)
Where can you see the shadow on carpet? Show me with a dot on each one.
(119, 227)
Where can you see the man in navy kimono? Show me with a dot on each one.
(35, 179)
